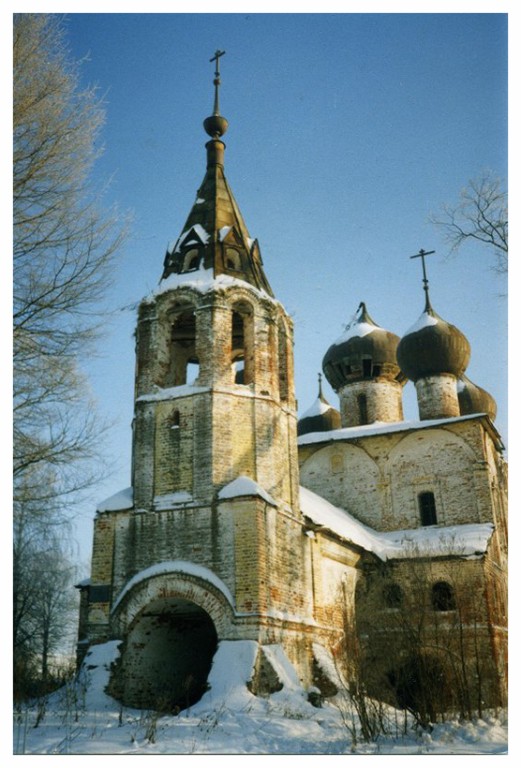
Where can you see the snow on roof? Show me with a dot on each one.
(434, 541)
(203, 280)
(175, 566)
(123, 499)
(245, 486)
(317, 409)
(223, 232)
(200, 231)
(380, 428)
(424, 320)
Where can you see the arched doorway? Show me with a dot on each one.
(166, 656)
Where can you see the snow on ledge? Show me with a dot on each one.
(203, 280)
(175, 567)
(123, 499)
(245, 486)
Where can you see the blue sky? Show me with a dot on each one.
(346, 132)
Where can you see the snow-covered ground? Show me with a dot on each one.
(81, 719)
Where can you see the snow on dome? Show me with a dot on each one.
(355, 329)
(245, 486)
(318, 408)
(123, 499)
(424, 320)
(467, 540)
(175, 566)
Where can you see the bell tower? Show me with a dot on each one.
(208, 545)
(214, 394)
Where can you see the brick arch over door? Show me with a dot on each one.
(185, 581)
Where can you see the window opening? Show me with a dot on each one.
(366, 368)
(427, 508)
(393, 595)
(183, 350)
(442, 597)
(238, 367)
(191, 260)
(233, 260)
(192, 371)
(242, 345)
(362, 409)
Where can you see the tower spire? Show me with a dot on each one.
(421, 255)
(216, 125)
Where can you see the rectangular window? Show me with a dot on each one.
(427, 505)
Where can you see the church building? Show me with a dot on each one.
(323, 542)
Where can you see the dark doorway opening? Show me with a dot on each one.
(167, 656)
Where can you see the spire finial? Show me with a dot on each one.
(217, 80)
(320, 386)
(421, 255)
(215, 125)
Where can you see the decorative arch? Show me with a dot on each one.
(174, 579)
(356, 487)
(436, 462)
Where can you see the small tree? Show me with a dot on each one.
(481, 215)
(425, 641)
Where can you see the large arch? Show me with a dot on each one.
(170, 618)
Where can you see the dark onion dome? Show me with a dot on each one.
(432, 347)
(321, 417)
(364, 351)
(474, 399)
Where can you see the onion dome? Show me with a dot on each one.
(321, 417)
(432, 347)
(364, 351)
(474, 399)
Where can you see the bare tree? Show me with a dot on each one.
(481, 215)
(63, 249)
(64, 243)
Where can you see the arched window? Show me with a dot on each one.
(184, 363)
(392, 595)
(442, 596)
(233, 259)
(427, 506)
(362, 409)
(191, 260)
(243, 349)
(175, 420)
(283, 362)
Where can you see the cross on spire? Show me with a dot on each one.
(421, 255)
(217, 79)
